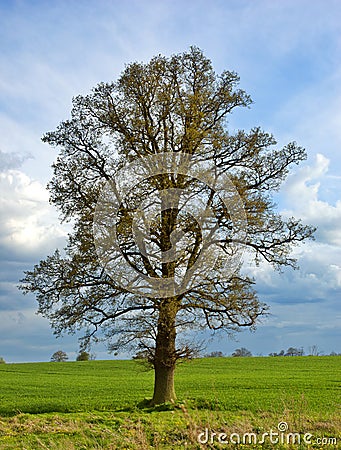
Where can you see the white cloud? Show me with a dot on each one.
(307, 300)
(29, 223)
(301, 192)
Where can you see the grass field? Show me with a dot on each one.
(101, 404)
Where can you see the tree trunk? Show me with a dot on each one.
(165, 351)
(165, 354)
(163, 385)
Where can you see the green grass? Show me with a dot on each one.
(99, 404)
(71, 386)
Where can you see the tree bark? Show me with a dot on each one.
(163, 385)
(165, 353)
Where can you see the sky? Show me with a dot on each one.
(288, 56)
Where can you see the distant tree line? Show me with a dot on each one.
(239, 352)
(244, 352)
(292, 351)
(61, 356)
(313, 351)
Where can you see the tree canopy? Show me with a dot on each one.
(59, 356)
(241, 352)
(153, 257)
(83, 356)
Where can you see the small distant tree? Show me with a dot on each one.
(242, 352)
(281, 353)
(2, 361)
(83, 356)
(215, 354)
(292, 351)
(59, 356)
(314, 351)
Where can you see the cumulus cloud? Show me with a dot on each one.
(317, 284)
(29, 225)
(316, 281)
(302, 198)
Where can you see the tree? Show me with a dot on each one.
(59, 356)
(83, 356)
(281, 353)
(315, 351)
(154, 182)
(293, 351)
(242, 352)
(2, 361)
(215, 354)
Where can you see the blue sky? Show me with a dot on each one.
(288, 56)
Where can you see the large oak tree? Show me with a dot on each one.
(168, 106)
